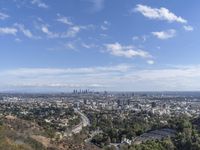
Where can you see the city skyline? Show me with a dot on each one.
(126, 45)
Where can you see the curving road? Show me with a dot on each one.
(85, 122)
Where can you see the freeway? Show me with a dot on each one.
(85, 122)
(77, 129)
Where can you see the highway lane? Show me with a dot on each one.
(84, 122)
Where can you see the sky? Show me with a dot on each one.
(113, 45)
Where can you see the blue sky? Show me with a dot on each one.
(123, 45)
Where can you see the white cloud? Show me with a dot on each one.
(165, 34)
(64, 71)
(25, 31)
(105, 25)
(103, 35)
(73, 31)
(64, 20)
(159, 14)
(98, 5)
(50, 34)
(142, 38)
(39, 3)
(8, 30)
(188, 28)
(106, 22)
(117, 77)
(88, 46)
(150, 62)
(70, 45)
(3, 16)
(117, 49)
(18, 40)
(134, 38)
(158, 47)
